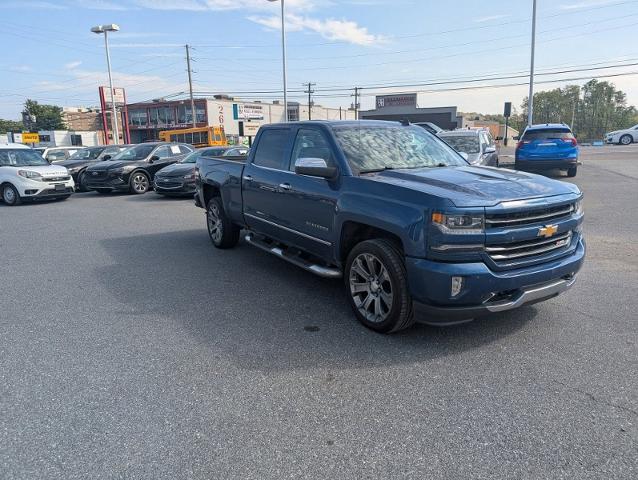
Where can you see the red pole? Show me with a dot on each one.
(126, 127)
(104, 122)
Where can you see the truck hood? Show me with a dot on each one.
(469, 186)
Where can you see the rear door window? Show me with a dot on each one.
(548, 134)
(271, 149)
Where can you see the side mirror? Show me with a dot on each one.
(106, 157)
(314, 167)
(464, 155)
(489, 150)
(516, 137)
(154, 158)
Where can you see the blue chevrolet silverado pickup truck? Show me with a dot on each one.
(416, 232)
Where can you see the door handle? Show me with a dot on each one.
(248, 178)
(284, 186)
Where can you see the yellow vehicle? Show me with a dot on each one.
(198, 137)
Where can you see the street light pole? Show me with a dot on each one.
(283, 54)
(530, 98)
(105, 29)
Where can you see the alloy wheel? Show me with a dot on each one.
(140, 183)
(371, 287)
(215, 228)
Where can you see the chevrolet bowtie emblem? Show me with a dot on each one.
(547, 231)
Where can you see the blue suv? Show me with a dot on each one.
(547, 147)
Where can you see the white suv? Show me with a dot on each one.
(25, 175)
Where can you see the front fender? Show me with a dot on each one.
(405, 220)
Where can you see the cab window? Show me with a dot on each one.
(311, 144)
(271, 149)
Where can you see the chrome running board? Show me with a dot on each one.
(322, 271)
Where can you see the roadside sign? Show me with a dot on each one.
(30, 137)
(250, 129)
(118, 96)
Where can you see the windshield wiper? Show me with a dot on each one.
(375, 170)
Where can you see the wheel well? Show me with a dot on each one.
(353, 233)
(209, 192)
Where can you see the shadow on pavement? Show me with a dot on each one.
(266, 314)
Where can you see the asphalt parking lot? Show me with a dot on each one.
(131, 348)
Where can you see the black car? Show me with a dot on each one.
(133, 170)
(80, 160)
(179, 179)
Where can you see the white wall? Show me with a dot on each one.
(62, 138)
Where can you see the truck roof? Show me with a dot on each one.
(335, 123)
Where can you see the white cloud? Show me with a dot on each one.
(20, 68)
(72, 65)
(100, 5)
(339, 30)
(203, 5)
(584, 4)
(489, 18)
(34, 4)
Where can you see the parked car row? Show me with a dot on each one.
(114, 168)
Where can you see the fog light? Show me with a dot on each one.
(457, 285)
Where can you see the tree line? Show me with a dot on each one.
(591, 110)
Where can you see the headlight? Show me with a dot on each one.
(190, 176)
(459, 223)
(578, 207)
(30, 174)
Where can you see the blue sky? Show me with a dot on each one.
(50, 55)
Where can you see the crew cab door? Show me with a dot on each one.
(265, 208)
(312, 200)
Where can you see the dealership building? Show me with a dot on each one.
(147, 119)
(403, 106)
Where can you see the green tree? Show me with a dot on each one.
(47, 117)
(591, 110)
(10, 126)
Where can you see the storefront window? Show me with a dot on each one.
(137, 117)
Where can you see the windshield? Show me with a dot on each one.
(21, 158)
(548, 134)
(191, 157)
(375, 148)
(462, 143)
(139, 152)
(87, 154)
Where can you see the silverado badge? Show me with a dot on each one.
(547, 231)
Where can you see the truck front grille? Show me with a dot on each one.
(520, 251)
(519, 219)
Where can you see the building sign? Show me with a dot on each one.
(118, 96)
(248, 112)
(250, 129)
(404, 100)
(30, 137)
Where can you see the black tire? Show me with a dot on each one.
(571, 172)
(82, 182)
(222, 232)
(367, 286)
(10, 195)
(625, 139)
(139, 183)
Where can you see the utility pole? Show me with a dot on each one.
(356, 103)
(190, 86)
(530, 99)
(310, 91)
